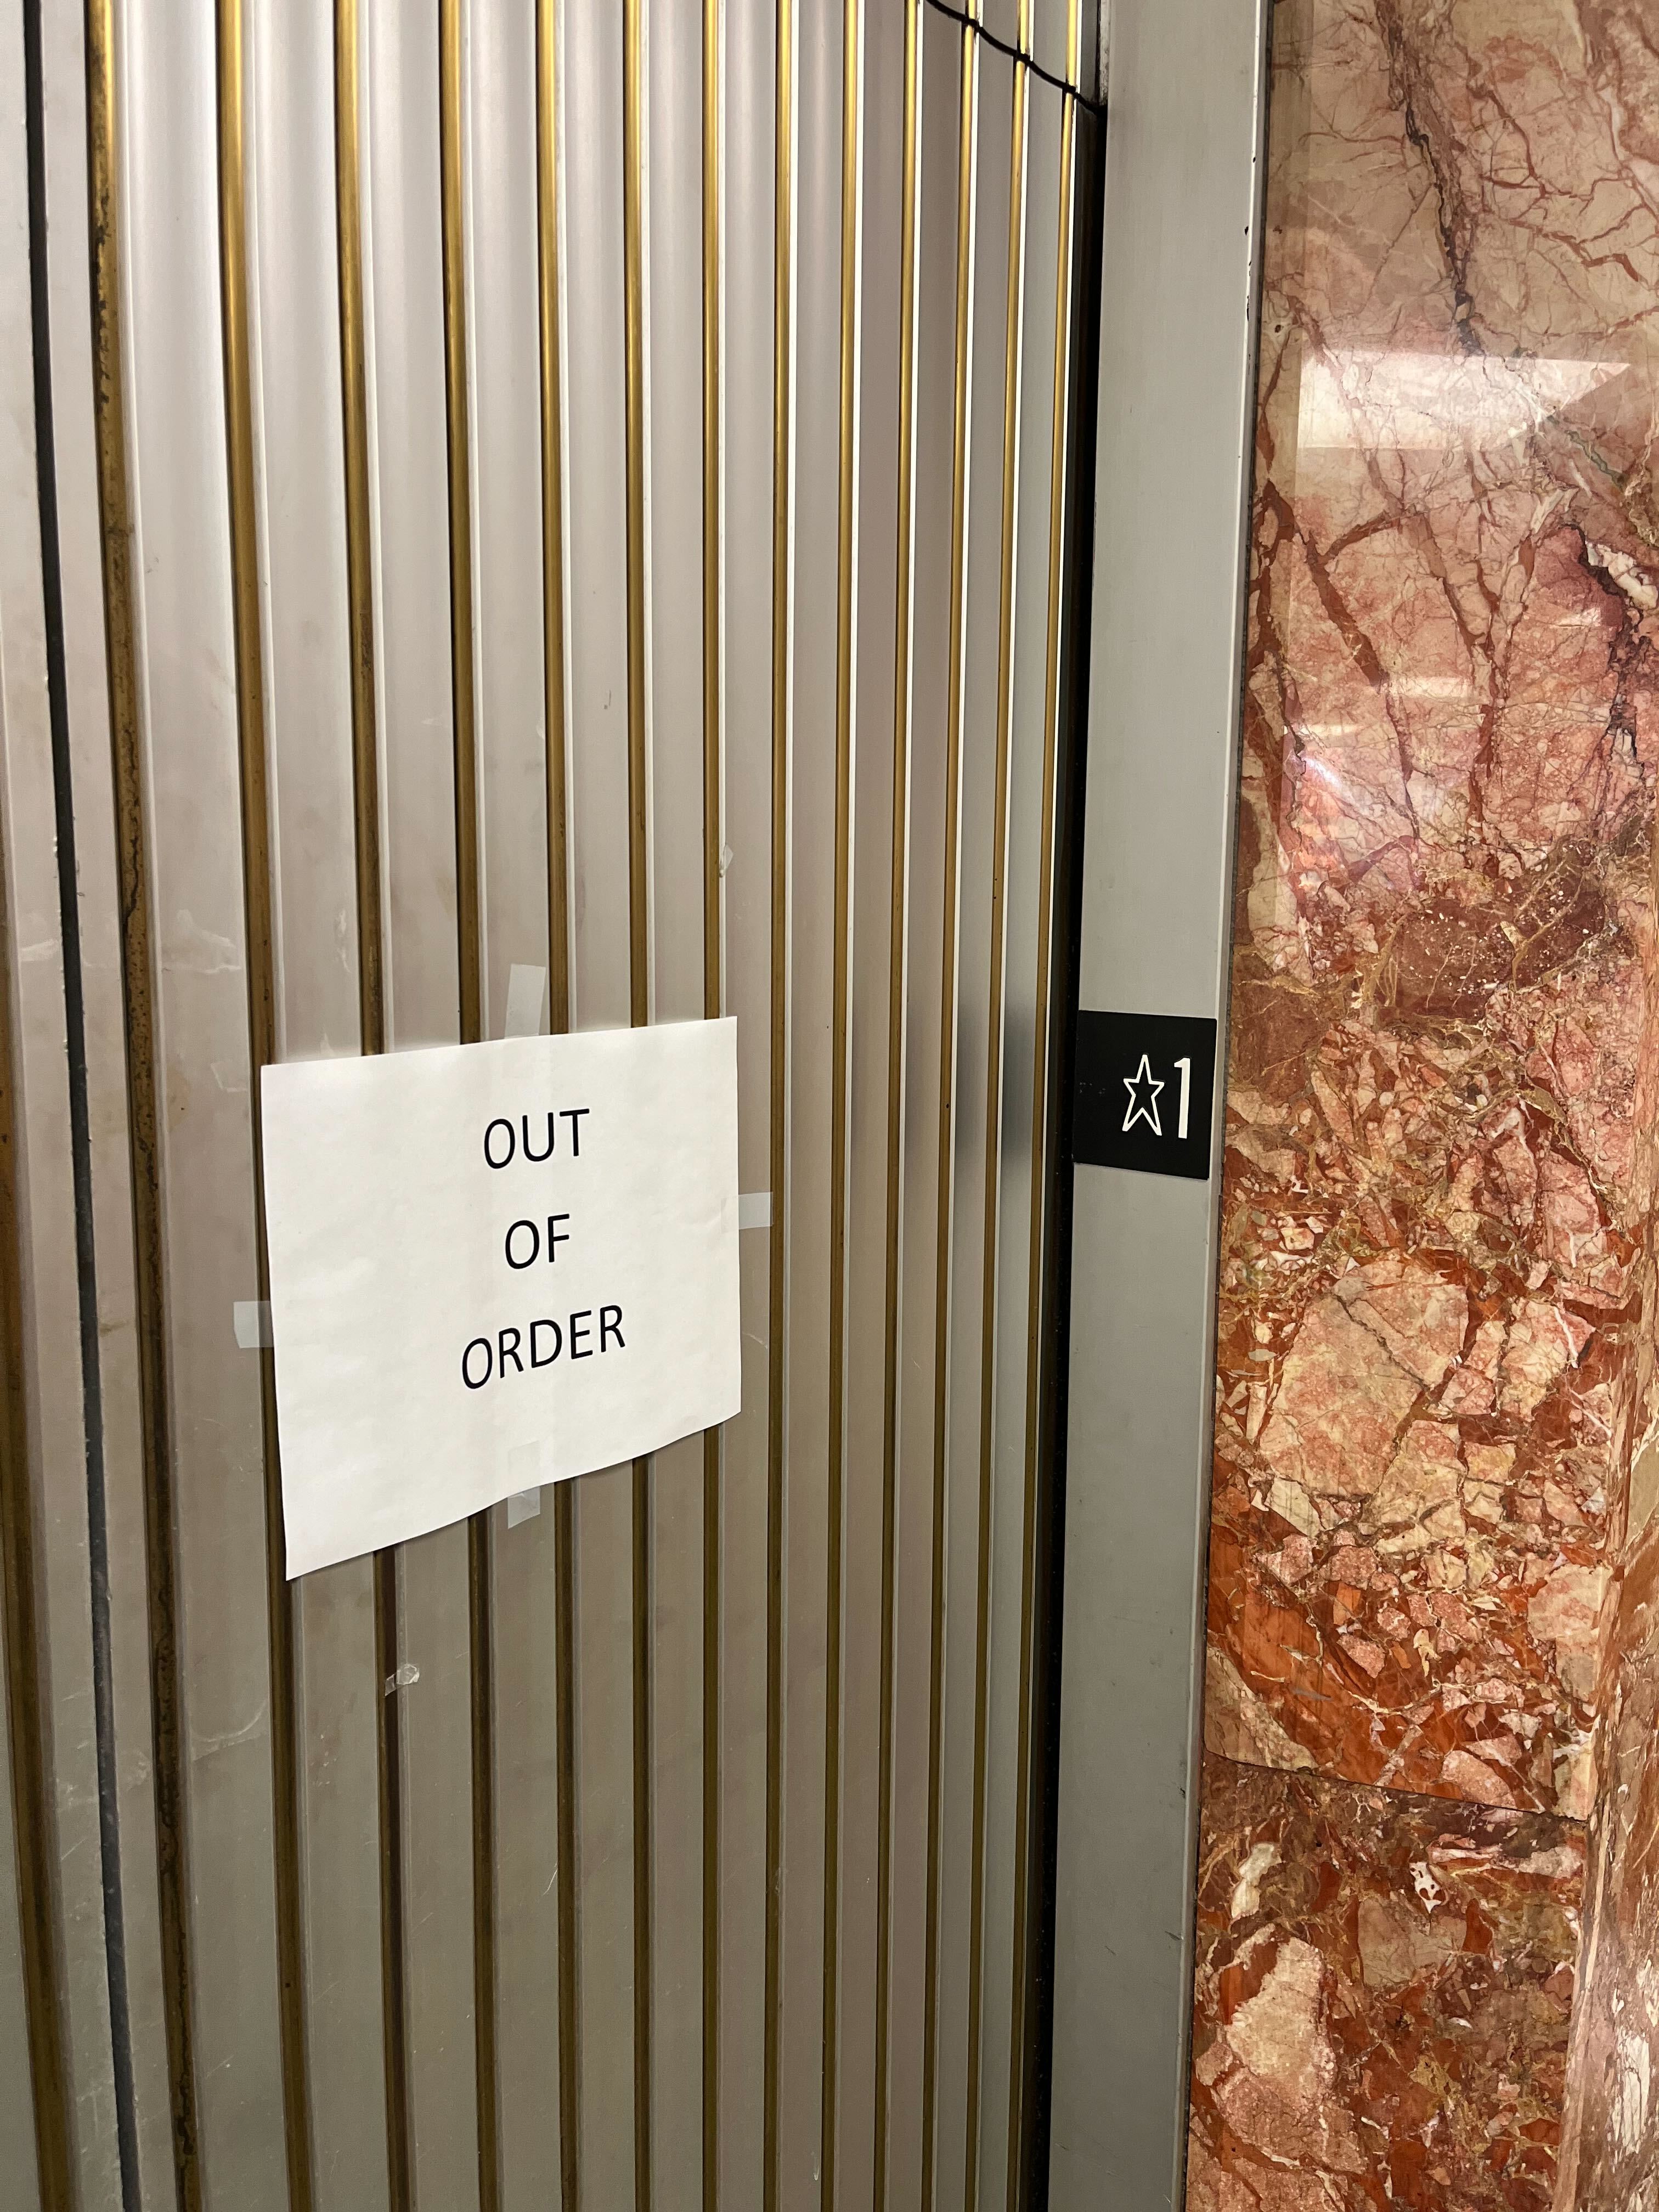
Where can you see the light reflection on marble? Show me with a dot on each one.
(1610, 2152)
(1433, 1213)
(1437, 1275)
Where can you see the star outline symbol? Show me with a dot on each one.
(1143, 1110)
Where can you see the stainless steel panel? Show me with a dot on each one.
(294, 314)
(870, 363)
(1171, 482)
(961, 1965)
(185, 659)
(39, 1318)
(592, 260)
(673, 253)
(814, 519)
(503, 238)
(746, 639)
(115, 1474)
(433, 1693)
(934, 623)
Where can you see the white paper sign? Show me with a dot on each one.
(496, 1265)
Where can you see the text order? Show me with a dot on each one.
(486, 1360)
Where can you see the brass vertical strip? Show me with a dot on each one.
(370, 1016)
(144, 1133)
(966, 125)
(262, 1051)
(558, 957)
(712, 1005)
(31, 1812)
(841, 1079)
(360, 587)
(778, 1148)
(1042, 1134)
(452, 157)
(994, 1021)
(639, 1007)
(552, 459)
(451, 151)
(897, 970)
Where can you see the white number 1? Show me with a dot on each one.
(1185, 1068)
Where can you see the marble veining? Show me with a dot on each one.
(1436, 1285)
(1383, 1987)
(1433, 1209)
(1610, 2155)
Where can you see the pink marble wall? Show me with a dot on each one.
(1435, 1310)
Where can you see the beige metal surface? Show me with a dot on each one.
(578, 486)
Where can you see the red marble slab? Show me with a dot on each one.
(1383, 1991)
(1610, 2153)
(1443, 1050)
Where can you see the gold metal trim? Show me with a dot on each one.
(37, 1859)
(897, 970)
(639, 995)
(1012, 355)
(712, 1005)
(966, 213)
(552, 461)
(360, 585)
(841, 1079)
(371, 1013)
(463, 688)
(558, 958)
(138, 993)
(778, 1148)
(1042, 1142)
(262, 1050)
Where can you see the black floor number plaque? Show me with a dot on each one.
(1146, 1085)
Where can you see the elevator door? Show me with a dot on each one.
(560, 503)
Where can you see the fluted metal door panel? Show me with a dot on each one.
(582, 486)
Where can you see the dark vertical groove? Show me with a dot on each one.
(840, 1061)
(638, 1008)
(778, 1129)
(1042, 1139)
(558, 951)
(558, 956)
(143, 1135)
(642, 1607)
(991, 1244)
(255, 809)
(86, 1273)
(370, 1014)
(564, 1630)
(1034, 1960)
(946, 1198)
(897, 970)
(389, 1774)
(713, 1000)
(481, 1653)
